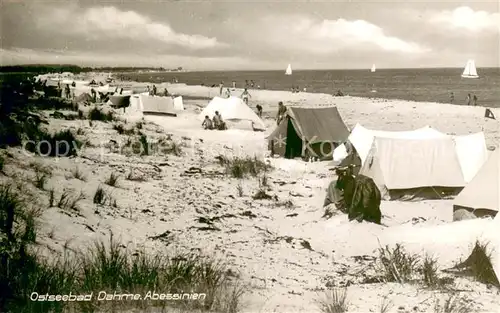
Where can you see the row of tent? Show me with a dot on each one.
(421, 163)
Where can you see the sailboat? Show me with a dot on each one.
(373, 68)
(470, 70)
(288, 70)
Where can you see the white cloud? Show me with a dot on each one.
(467, 19)
(336, 35)
(109, 22)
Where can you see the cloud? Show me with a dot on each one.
(466, 18)
(328, 36)
(104, 23)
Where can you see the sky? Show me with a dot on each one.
(251, 34)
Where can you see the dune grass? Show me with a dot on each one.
(334, 301)
(96, 114)
(104, 266)
(241, 167)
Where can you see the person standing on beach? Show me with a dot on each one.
(475, 100)
(452, 97)
(234, 85)
(154, 90)
(252, 83)
(281, 112)
(221, 87)
(468, 99)
(245, 96)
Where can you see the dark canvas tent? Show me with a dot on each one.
(308, 132)
(120, 101)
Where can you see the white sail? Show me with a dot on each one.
(288, 70)
(373, 68)
(470, 70)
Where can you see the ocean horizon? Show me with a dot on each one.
(424, 85)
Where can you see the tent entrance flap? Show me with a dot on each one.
(293, 142)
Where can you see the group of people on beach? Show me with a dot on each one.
(469, 100)
(215, 123)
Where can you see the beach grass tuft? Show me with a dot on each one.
(453, 304)
(334, 301)
(112, 180)
(397, 265)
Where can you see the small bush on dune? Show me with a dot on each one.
(69, 200)
(78, 174)
(60, 144)
(453, 304)
(397, 265)
(112, 180)
(2, 163)
(95, 114)
(335, 301)
(120, 128)
(99, 196)
(429, 271)
(133, 177)
(239, 189)
(241, 167)
(40, 180)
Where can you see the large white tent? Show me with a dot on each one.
(231, 109)
(471, 149)
(362, 138)
(408, 166)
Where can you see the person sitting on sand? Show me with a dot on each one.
(165, 92)
(218, 122)
(259, 110)
(228, 93)
(245, 96)
(339, 94)
(73, 84)
(207, 123)
(281, 112)
(334, 199)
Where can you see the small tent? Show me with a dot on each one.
(308, 132)
(482, 195)
(178, 103)
(155, 105)
(231, 109)
(362, 139)
(414, 168)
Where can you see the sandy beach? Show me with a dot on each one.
(286, 254)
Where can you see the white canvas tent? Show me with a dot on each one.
(232, 108)
(471, 149)
(143, 103)
(157, 105)
(414, 167)
(483, 192)
(362, 139)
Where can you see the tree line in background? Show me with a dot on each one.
(48, 68)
